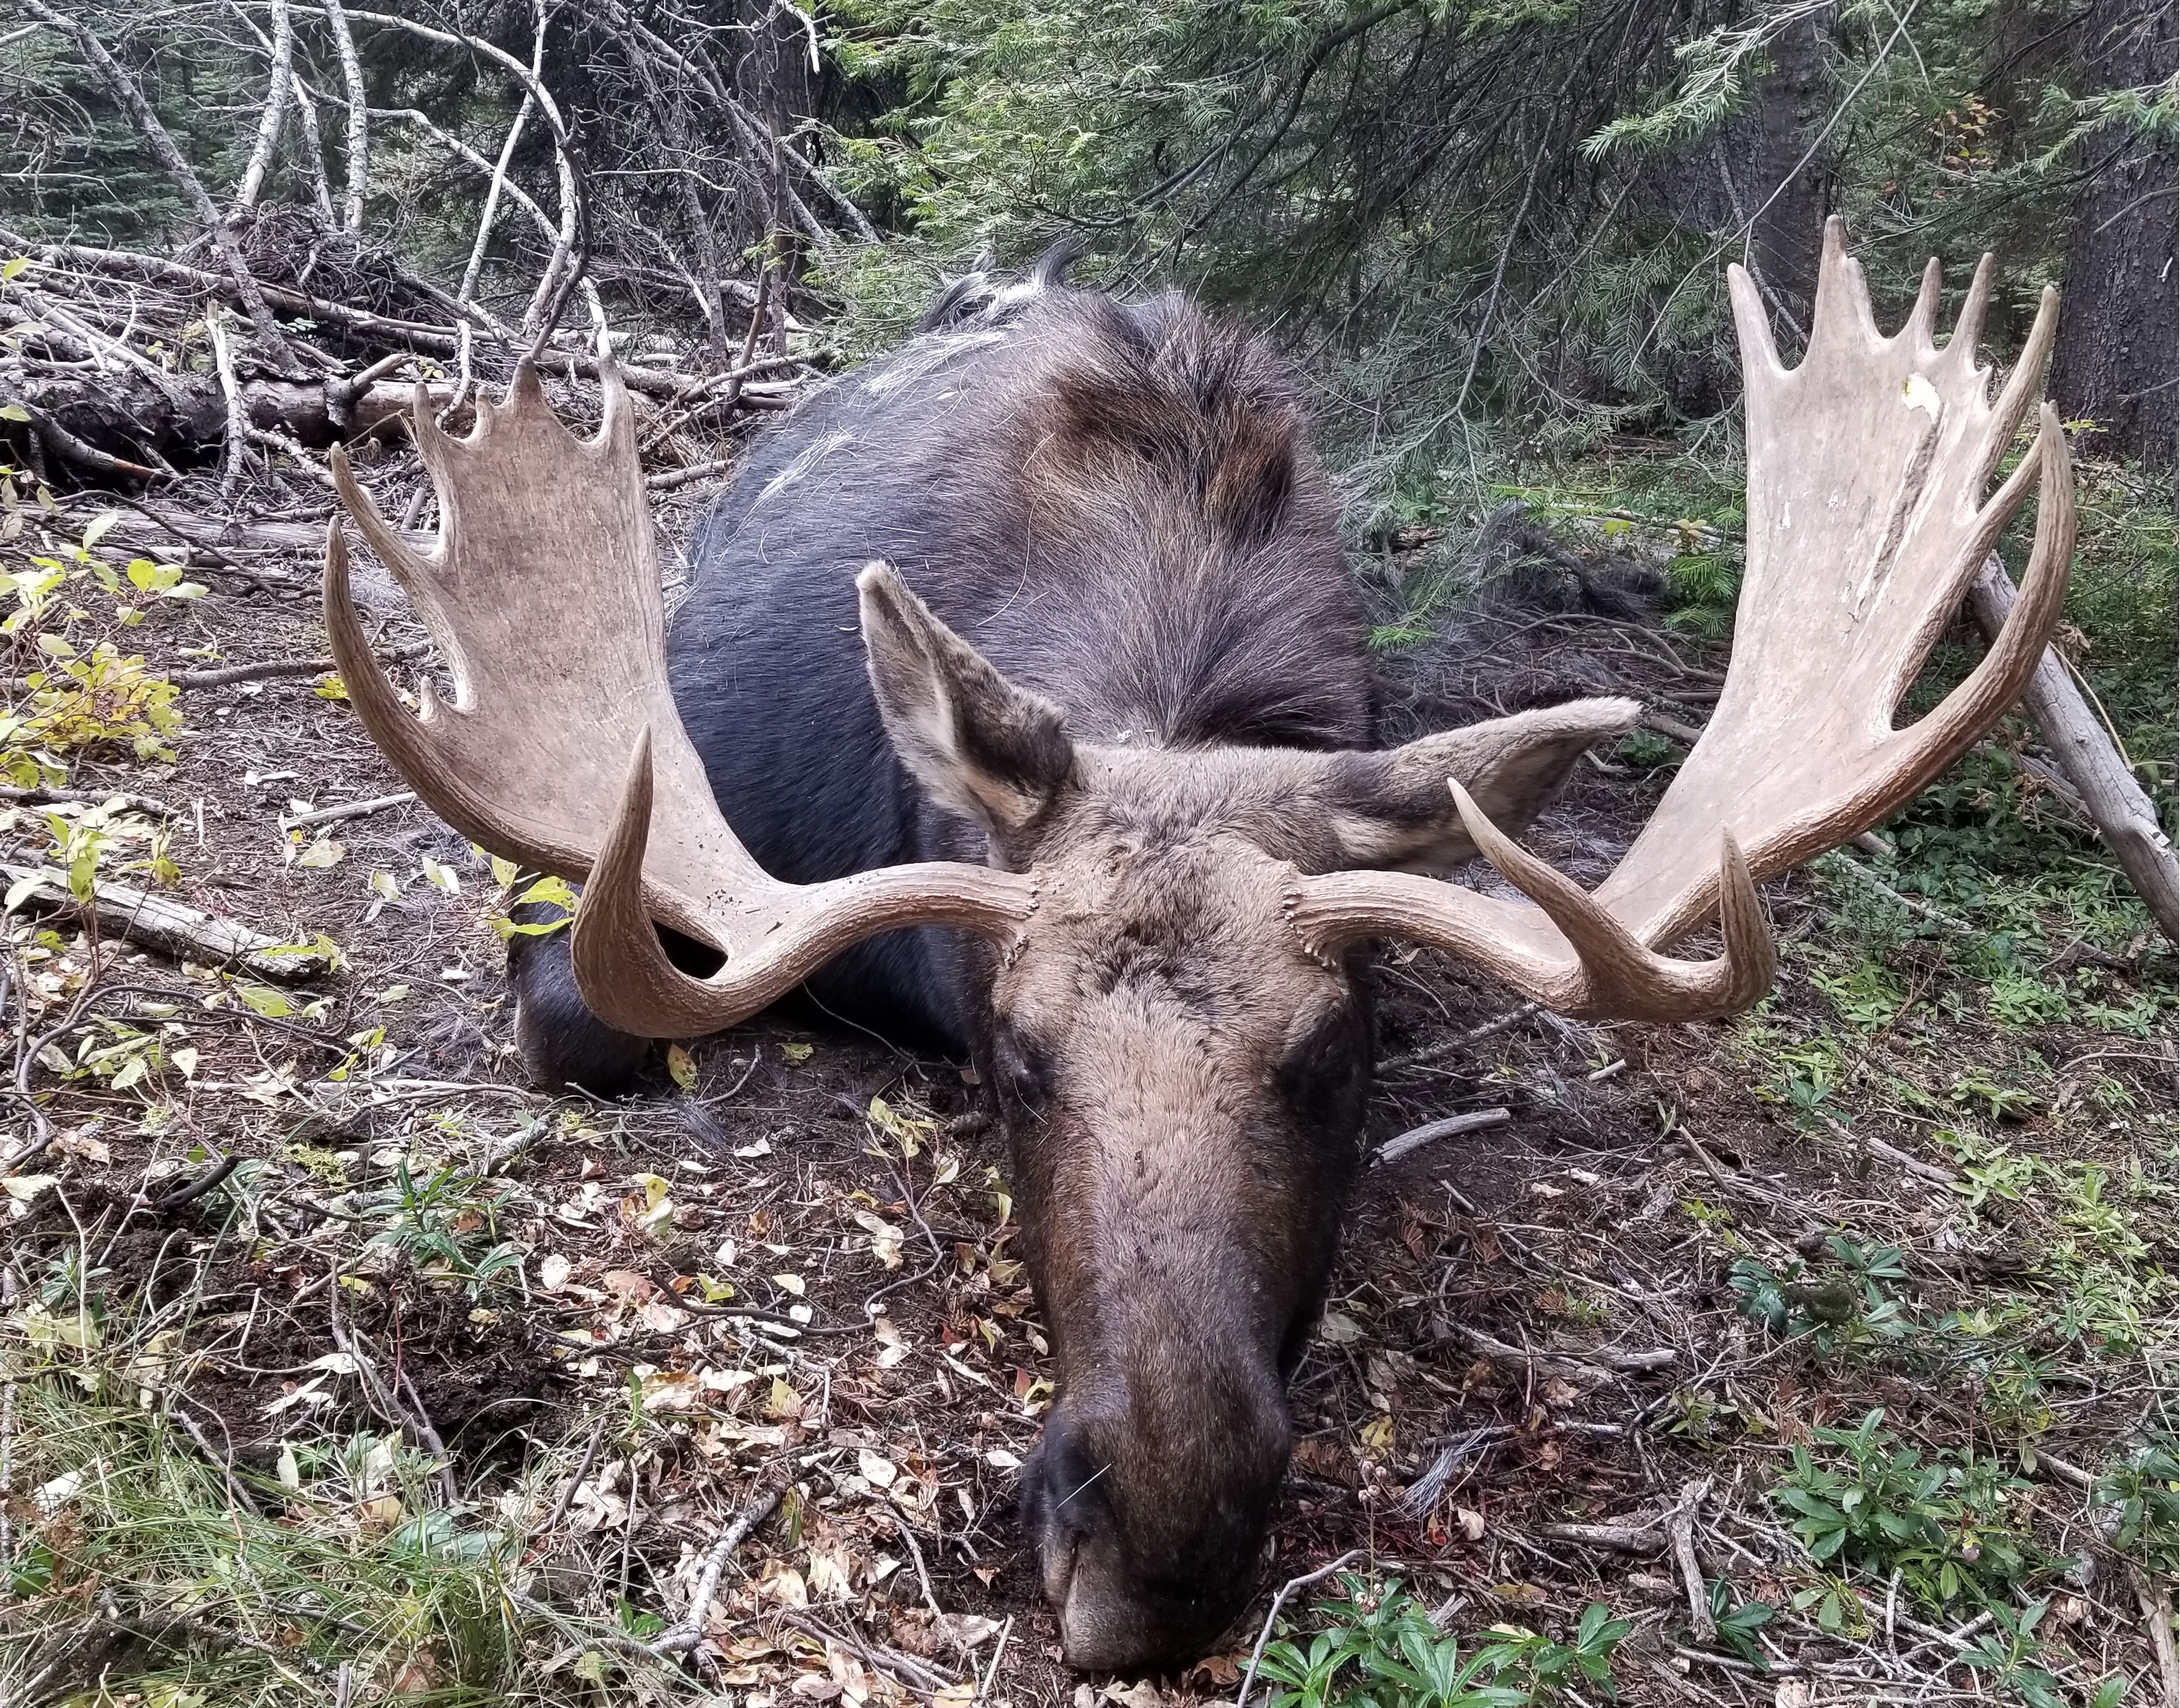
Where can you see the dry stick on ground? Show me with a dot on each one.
(1450, 1046)
(688, 1631)
(1892, 1152)
(223, 1465)
(915, 1553)
(2085, 753)
(350, 809)
(2156, 1601)
(1601, 1358)
(1681, 1528)
(567, 1497)
(83, 455)
(910, 1671)
(130, 100)
(40, 796)
(1622, 1539)
(179, 932)
(1264, 1636)
(1418, 1137)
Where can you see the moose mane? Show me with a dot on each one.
(1116, 502)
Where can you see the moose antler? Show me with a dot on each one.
(562, 748)
(1867, 468)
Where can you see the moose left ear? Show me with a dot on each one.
(1394, 810)
(980, 746)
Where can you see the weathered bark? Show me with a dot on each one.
(1787, 181)
(2118, 354)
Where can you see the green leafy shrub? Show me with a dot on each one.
(1952, 1524)
(1378, 1649)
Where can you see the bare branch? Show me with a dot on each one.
(359, 119)
(130, 99)
(275, 107)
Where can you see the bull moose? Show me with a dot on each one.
(1096, 797)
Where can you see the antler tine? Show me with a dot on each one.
(1934, 741)
(1751, 324)
(620, 967)
(1842, 311)
(1922, 319)
(1620, 977)
(406, 740)
(2026, 383)
(775, 939)
(1967, 329)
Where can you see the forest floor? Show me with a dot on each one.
(342, 1365)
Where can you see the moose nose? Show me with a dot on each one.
(1112, 1621)
(1146, 1556)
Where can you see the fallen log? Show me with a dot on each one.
(2089, 758)
(170, 928)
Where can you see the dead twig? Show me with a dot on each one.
(40, 796)
(1264, 1636)
(178, 931)
(349, 809)
(1681, 1529)
(2156, 1599)
(687, 1632)
(1418, 1137)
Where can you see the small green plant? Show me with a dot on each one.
(443, 1225)
(2141, 1495)
(1738, 1624)
(1952, 1524)
(1856, 1303)
(1378, 1649)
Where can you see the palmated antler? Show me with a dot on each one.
(562, 748)
(1867, 469)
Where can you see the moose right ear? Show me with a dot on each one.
(979, 745)
(1392, 809)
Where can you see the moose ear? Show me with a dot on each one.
(979, 745)
(1393, 809)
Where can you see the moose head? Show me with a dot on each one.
(1173, 1005)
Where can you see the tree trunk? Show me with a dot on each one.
(1785, 184)
(2118, 354)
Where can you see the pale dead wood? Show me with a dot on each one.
(1621, 1539)
(1587, 1363)
(359, 119)
(1681, 1530)
(2092, 765)
(688, 1631)
(170, 928)
(2156, 1599)
(40, 795)
(1416, 1137)
(348, 809)
(1934, 1172)
(275, 113)
(1264, 1636)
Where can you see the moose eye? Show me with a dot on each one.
(1025, 1070)
(1326, 1060)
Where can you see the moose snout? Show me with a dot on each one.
(1147, 1544)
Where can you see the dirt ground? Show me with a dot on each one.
(789, 1265)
